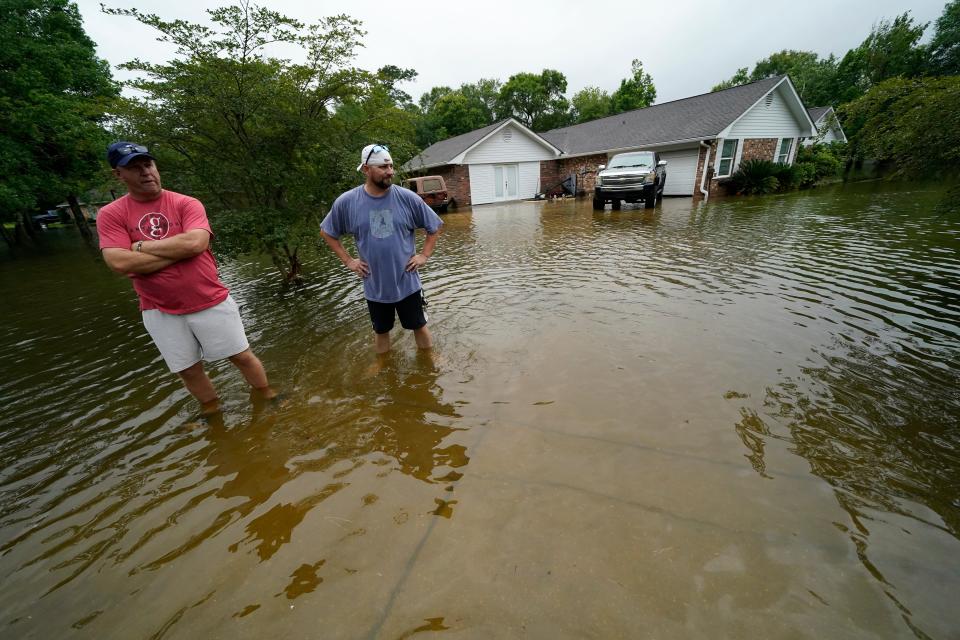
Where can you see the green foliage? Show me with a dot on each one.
(635, 92)
(739, 78)
(891, 50)
(535, 100)
(945, 44)
(755, 177)
(590, 103)
(267, 143)
(805, 174)
(823, 160)
(788, 176)
(446, 112)
(53, 95)
(913, 123)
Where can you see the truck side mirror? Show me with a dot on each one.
(601, 167)
(662, 163)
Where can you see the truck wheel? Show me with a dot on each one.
(443, 208)
(615, 205)
(598, 205)
(651, 200)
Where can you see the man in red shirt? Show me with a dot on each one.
(160, 239)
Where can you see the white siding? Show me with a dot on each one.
(481, 183)
(681, 171)
(529, 179)
(830, 136)
(768, 121)
(508, 145)
(482, 189)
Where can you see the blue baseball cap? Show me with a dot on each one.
(120, 153)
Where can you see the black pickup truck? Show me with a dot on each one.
(631, 177)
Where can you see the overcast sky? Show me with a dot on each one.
(687, 46)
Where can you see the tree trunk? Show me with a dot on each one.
(27, 228)
(7, 236)
(79, 218)
(289, 265)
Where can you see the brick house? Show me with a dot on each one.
(703, 139)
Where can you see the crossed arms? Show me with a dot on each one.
(155, 255)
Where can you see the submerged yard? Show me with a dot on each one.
(737, 419)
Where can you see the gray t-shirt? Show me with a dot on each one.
(384, 228)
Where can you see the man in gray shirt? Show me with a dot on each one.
(384, 220)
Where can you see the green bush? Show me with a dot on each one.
(755, 177)
(825, 160)
(806, 173)
(787, 176)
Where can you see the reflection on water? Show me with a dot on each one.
(731, 419)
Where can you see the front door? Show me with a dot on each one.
(505, 181)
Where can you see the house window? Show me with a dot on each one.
(783, 153)
(727, 154)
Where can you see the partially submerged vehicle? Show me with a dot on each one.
(432, 189)
(631, 177)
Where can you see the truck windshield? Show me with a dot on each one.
(639, 159)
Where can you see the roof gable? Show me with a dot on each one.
(695, 118)
(792, 102)
(453, 150)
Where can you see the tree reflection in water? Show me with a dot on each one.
(880, 428)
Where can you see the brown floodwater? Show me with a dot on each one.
(733, 420)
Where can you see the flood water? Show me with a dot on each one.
(732, 420)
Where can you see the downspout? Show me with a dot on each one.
(703, 176)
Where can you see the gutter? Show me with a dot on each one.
(703, 176)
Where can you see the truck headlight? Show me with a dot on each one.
(650, 177)
(599, 180)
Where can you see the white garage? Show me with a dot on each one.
(681, 171)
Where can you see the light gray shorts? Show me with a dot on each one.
(212, 334)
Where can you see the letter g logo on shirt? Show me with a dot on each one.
(154, 226)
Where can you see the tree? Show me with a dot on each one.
(891, 50)
(590, 103)
(54, 92)
(811, 76)
(455, 113)
(484, 94)
(739, 78)
(430, 98)
(446, 112)
(635, 92)
(261, 140)
(537, 101)
(913, 123)
(945, 45)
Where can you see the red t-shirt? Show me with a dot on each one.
(185, 286)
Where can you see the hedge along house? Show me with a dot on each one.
(704, 139)
(497, 163)
(828, 127)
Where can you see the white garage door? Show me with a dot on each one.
(681, 171)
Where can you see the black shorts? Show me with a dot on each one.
(410, 310)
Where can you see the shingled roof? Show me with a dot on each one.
(816, 113)
(698, 117)
(443, 152)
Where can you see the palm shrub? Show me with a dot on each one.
(755, 177)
